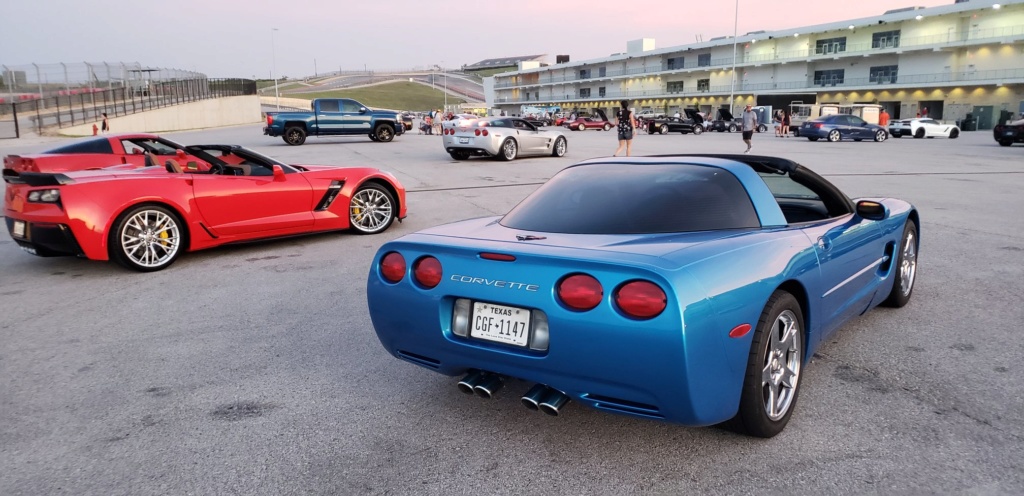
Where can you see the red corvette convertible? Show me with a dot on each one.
(98, 152)
(144, 218)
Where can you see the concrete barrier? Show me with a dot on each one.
(218, 112)
(286, 103)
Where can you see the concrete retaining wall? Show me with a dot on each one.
(287, 104)
(218, 112)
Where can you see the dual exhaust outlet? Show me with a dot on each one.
(538, 398)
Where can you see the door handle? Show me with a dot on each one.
(824, 243)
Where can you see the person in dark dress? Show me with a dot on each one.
(626, 124)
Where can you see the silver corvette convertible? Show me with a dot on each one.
(502, 137)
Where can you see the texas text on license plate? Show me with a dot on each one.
(499, 323)
(19, 229)
(464, 141)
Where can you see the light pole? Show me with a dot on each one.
(735, 31)
(445, 72)
(273, 67)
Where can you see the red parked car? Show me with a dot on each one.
(582, 123)
(144, 218)
(100, 151)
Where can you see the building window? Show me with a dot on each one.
(602, 72)
(883, 74)
(675, 87)
(831, 45)
(704, 85)
(704, 60)
(584, 92)
(600, 91)
(674, 63)
(829, 77)
(584, 73)
(886, 39)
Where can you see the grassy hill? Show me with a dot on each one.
(399, 95)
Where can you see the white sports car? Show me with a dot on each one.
(503, 137)
(922, 128)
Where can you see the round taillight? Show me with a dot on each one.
(392, 267)
(427, 272)
(476, 132)
(580, 292)
(484, 132)
(641, 299)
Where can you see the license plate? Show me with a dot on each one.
(19, 229)
(499, 323)
(464, 141)
(1008, 133)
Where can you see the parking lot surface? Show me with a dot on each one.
(254, 369)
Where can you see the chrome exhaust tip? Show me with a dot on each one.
(488, 386)
(467, 383)
(534, 396)
(553, 402)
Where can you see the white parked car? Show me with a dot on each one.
(922, 127)
(503, 137)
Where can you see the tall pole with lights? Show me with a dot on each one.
(445, 72)
(273, 67)
(735, 31)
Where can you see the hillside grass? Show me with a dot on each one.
(399, 95)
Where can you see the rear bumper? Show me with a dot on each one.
(1011, 134)
(269, 131)
(44, 239)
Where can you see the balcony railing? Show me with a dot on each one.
(989, 77)
(951, 39)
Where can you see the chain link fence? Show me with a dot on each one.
(36, 97)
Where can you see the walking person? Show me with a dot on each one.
(777, 121)
(785, 123)
(626, 124)
(105, 125)
(749, 125)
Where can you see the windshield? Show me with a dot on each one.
(635, 199)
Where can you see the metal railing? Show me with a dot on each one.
(691, 63)
(987, 77)
(82, 106)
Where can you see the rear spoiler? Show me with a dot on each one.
(12, 176)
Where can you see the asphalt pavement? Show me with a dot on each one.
(254, 369)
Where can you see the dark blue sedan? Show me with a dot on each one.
(842, 126)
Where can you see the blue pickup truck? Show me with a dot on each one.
(335, 117)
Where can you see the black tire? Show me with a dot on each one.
(294, 135)
(796, 132)
(812, 138)
(663, 129)
(761, 128)
(1005, 142)
(905, 269)
(581, 127)
(732, 128)
(384, 133)
(919, 133)
(881, 136)
(560, 147)
(373, 137)
(697, 130)
(509, 150)
(459, 154)
(781, 321)
(143, 227)
(897, 135)
(954, 133)
(835, 136)
(372, 209)
(607, 127)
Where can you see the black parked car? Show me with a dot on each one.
(1008, 134)
(693, 123)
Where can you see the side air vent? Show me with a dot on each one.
(329, 196)
(623, 406)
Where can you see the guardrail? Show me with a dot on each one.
(89, 104)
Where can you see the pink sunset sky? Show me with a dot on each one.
(232, 38)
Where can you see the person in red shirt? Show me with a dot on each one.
(883, 118)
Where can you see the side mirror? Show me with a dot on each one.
(278, 173)
(362, 110)
(180, 154)
(872, 210)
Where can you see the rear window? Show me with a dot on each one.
(636, 199)
(97, 145)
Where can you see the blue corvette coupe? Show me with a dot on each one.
(691, 289)
(838, 127)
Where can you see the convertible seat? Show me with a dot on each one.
(173, 166)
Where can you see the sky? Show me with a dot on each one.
(236, 38)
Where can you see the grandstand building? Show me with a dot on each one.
(967, 57)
